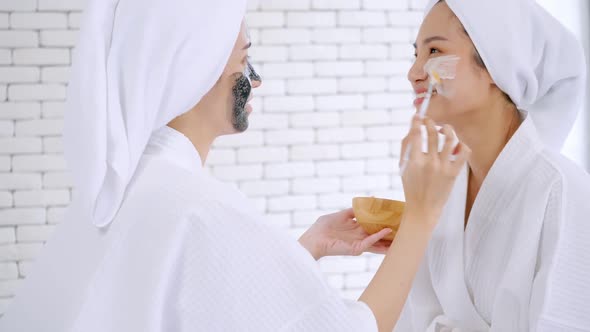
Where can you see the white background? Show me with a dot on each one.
(327, 124)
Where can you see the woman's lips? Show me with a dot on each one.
(248, 108)
(420, 96)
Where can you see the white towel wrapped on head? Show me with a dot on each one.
(531, 57)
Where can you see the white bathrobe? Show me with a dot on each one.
(184, 253)
(522, 263)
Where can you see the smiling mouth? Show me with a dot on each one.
(423, 94)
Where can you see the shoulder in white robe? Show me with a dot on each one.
(523, 261)
(185, 253)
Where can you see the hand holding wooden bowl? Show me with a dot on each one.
(375, 214)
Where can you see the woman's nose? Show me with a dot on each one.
(255, 79)
(256, 83)
(416, 72)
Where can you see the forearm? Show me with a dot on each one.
(389, 289)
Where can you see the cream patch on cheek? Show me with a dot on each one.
(444, 70)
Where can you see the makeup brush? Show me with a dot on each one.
(434, 81)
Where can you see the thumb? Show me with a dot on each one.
(370, 240)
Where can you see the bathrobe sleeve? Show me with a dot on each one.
(235, 275)
(561, 290)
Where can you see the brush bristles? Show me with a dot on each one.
(435, 76)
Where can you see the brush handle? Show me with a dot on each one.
(426, 103)
(421, 114)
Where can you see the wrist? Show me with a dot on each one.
(420, 219)
(311, 246)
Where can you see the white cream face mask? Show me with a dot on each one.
(443, 70)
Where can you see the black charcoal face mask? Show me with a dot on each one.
(241, 92)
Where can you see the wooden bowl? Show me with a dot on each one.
(375, 214)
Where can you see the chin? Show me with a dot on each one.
(439, 113)
(237, 129)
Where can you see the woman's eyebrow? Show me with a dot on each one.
(431, 39)
(247, 46)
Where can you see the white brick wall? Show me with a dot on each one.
(328, 119)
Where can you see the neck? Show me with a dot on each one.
(487, 132)
(197, 131)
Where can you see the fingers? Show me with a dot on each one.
(432, 136)
(381, 250)
(384, 243)
(415, 138)
(410, 141)
(404, 152)
(370, 240)
(462, 155)
(449, 146)
(348, 213)
(380, 247)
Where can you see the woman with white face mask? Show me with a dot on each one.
(151, 241)
(511, 250)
